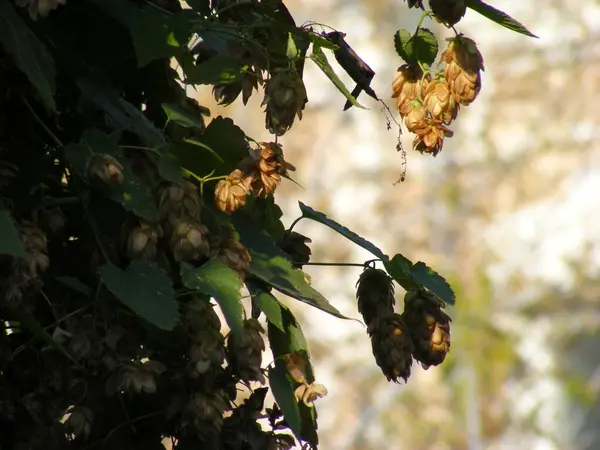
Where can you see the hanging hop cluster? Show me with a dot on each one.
(421, 332)
(26, 273)
(207, 351)
(285, 98)
(179, 211)
(233, 253)
(428, 104)
(259, 174)
(244, 352)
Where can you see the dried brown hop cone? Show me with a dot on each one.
(294, 244)
(231, 193)
(439, 102)
(430, 136)
(189, 241)
(285, 97)
(392, 346)
(463, 69)
(245, 352)
(143, 240)
(429, 327)
(204, 412)
(271, 166)
(103, 169)
(207, 351)
(375, 294)
(235, 255)
(448, 12)
(408, 85)
(177, 201)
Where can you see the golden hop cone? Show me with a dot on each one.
(231, 193)
(294, 244)
(448, 12)
(408, 85)
(392, 346)
(429, 327)
(285, 97)
(189, 241)
(439, 102)
(245, 352)
(414, 114)
(430, 136)
(463, 69)
(375, 294)
(103, 169)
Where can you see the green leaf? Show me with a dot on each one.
(29, 54)
(121, 113)
(181, 117)
(283, 391)
(399, 269)
(272, 265)
(222, 139)
(421, 47)
(317, 216)
(218, 280)
(76, 285)
(133, 194)
(433, 281)
(269, 305)
(169, 168)
(223, 69)
(157, 35)
(200, 6)
(320, 60)
(500, 17)
(10, 240)
(146, 289)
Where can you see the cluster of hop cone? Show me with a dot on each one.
(421, 332)
(428, 104)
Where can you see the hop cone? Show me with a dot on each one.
(429, 327)
(245, 352)
(375, 294)
(392, 346)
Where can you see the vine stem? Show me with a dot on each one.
(333, 264)
(42, 124)
(294, 224)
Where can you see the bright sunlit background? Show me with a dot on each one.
(509, 212)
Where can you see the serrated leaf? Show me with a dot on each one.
(321, 61)
(146, 289)
(272, 265)
(220, 69)
(181, 117)
(28, 53)
(433, 281)
(10, 240)
(421, 47)
(317, 216)
(157, 35)
(283, 391)
(76, 285)
(133, 194)
(399, 269)
(499, 17)
(269, 305)
(218, 280)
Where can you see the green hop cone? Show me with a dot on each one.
(392, 346)
(375, 294)
(429, 327)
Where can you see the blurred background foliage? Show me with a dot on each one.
(509, 208)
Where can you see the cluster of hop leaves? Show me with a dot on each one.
(429, 99)
(132, 229)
